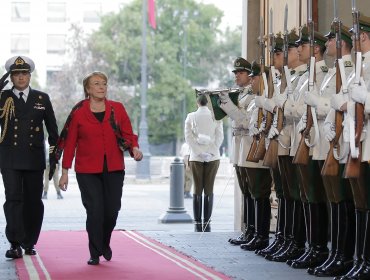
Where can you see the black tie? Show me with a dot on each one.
(21, 99)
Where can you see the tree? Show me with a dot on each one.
(187, 50)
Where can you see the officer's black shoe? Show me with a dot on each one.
(30, 251)
(316, 257)
(291, 253)
(239, 240)
(15, 252)
(329, 260)
(337, 267)
(272, 248)
(108, 254)
(350, 274)
(257, 243)
(363, 273)
(93, 261)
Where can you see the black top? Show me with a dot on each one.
(99, 116)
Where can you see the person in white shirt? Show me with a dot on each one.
(204, 135)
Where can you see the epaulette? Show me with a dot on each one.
(348, 63)
(324, 68)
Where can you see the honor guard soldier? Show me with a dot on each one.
(22, 156)
(258, 176)
(337, 188)
(238, 114)
(359, 92)
(290, 239)
(310, 175)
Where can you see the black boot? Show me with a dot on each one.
(360, 236)
(319, 251)
(197, 210)
(305, 222)
(279, 233)
(207, 212)
(297, 238)
(261, 237)
(340, 261)
(333, 236)
(363, 273)
(248, 233)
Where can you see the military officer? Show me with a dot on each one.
(337, 189)
(22, 155)
(242, 69)
(292, 244)
(360, 186)
(258, 177)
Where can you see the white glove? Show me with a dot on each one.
(302, 123)
(224, 96)
(259, 101)
(273, 132)
(205, 156)
(269, 105)
(312, 98)
(329, 131)
(359, 92)
(338, 100)
(253, 130)
(280, 99)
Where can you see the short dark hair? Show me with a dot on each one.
(202, 100)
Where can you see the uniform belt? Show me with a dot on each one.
(240, 132)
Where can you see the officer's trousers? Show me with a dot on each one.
(23, 207)
(204, 175)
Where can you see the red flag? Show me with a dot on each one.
(151, 13)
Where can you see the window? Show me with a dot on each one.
(92, 12)
(56, 44)
(20, 43)
(20, 11)
(56, 12)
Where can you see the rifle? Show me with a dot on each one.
(331, 164)
(261, 148)
(257, 138)
(303, 152)
(352, 167)
(271, 156)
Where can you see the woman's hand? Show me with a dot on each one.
(63, 181)
(138, 155)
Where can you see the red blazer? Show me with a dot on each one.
(89, 140)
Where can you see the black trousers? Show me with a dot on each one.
(101, 196)
(23, 207)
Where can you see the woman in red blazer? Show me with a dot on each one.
(92, 140)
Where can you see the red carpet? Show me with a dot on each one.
(63, 255)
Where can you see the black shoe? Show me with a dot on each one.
(108, 254)
(30, 251)
(59, 195)
(93, 261)
(15, 252)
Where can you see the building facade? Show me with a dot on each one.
(40, 29)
